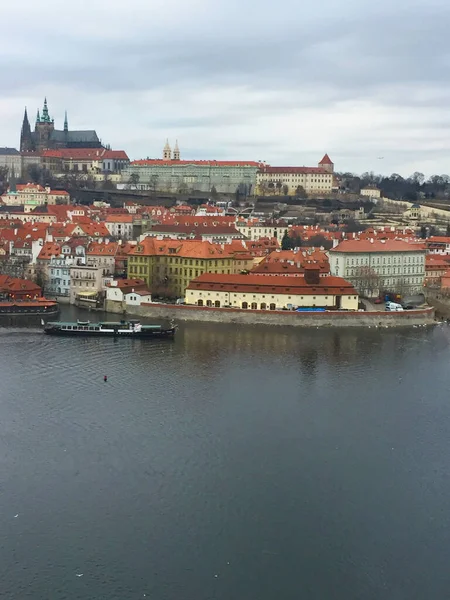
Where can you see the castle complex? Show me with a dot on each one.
(46, 137)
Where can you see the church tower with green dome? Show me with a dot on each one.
(46, 137)
(44, 129)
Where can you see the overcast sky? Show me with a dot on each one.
(280, 81)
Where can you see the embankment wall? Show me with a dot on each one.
(406, 318)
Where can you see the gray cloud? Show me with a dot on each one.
(283, 82)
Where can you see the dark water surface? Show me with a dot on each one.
(234, 463)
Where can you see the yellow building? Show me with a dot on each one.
(168, 266)
(292, 180)
(272, 292)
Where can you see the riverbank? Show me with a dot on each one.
(407, 318)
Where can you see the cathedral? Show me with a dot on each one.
(46, 137)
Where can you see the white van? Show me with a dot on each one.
(393, 306)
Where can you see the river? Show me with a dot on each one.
(232, 463)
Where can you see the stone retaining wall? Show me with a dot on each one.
(405, 318)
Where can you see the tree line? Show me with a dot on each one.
(413, 188)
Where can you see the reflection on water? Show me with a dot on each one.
(289, 463)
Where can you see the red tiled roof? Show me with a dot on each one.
(293, 170)
(85, 154)
(199, 229)
(326, 160)
(98, 249)
(207, 163)
(185, 248)
(121, 218)
(441, 239)
(123, 283)
(271, 284)
(48, 250)
(375, 246)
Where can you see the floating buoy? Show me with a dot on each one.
(105, 378)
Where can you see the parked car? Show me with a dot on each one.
(378, 301)
(408, 306)
(393, 306)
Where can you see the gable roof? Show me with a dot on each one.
(326, 160)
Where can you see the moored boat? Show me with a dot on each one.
(132, 328)
(38, 306)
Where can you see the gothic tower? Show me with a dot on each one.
(176, 152)
(44, 128)
(26, 140)
(167, 153)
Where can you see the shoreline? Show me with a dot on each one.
(409, 318)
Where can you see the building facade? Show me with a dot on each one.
(293, 181)
(184, 176)
(168, 266)
(272, 292)
(11, 160)
(58, 278)
(373, 266)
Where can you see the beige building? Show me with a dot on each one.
(373, 265)
(256, 231)
(314, 180)
(272, 292)
(86, 282)
(11, 160)
(33, 194)
(371, 191)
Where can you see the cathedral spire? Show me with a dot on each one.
(26, 140)
(66, 123)
(45, 116)
(176, 152)
(167, 153)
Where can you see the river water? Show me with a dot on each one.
(233, 463)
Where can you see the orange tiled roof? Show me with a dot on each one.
(326, 160)
(121, 218)
(184, 248)
(375, 246)
(101, 249)
(49, 250)
(276, 284)
(207, 163)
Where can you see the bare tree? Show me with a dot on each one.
(300, 191)
(133, 180)
(285, 189)
(154, 183)
(367, 281)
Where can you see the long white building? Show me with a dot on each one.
(376, 265)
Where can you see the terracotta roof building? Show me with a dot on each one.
(374, 266)
(295, 180)
(167, 266)
(273, 292)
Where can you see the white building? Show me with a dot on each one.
(373, 266)
(127, 292)
(120, 226)
(371, 191)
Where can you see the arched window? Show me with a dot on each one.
(200, 303)
(263, 306)
(208, 303)
(272, 307)
(245, 305)
(217, 303)
(254, 306)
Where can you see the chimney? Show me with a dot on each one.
(312, 275)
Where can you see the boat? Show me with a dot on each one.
(38, 306)
(116, 329)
